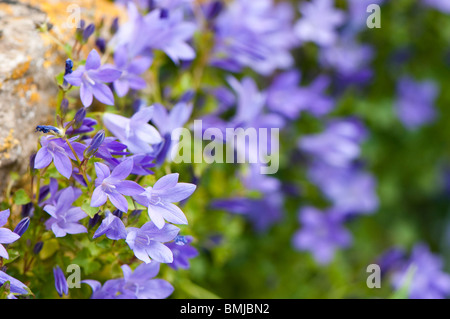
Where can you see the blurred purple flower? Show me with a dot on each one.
(58, 151)
(113, 185)
(142, 164)
(338, 145)
(255, 34)
(64, 217)
(351, 60)
(441, 5)
(358, 13)
(428, 279)
(286, 97)
(415, 102)
(350, 190)
(321, 234)
(131, 68)
(134, 132)
(160, 198)
(262, 213)
(134, 285)
(6, 235)
(182, 252)
(319, 22)
(111, 226)
(167, 124)
(165, 30)
(60, 281)
(147, 242)
(91, 77)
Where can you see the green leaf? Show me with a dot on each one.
(91, 211)
(50, 247)
(21, 197)
(13, 255)
(4, 290)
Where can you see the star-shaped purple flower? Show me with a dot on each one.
(65, 217)
(322, 233)
(147, 242)
(58, 151)
(134, 132)
(6, 235)
(91, 77)
(319, 22)
(131, 68)
(160, 198)
(134, 285)
(415, 102)
(111, 226)
(182, 252)
(167, 123)
(113, 185)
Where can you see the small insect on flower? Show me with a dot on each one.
(49, 129)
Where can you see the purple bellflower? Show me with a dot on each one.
(182, 252)
(58, 151)
(6, 235)
(167, 123)
(131, 69)
(134, 285)
(16, 287)
(349, 59)
(91, 79)
(255, 34)
(338, 145)
(134, 132)
(415, 102)
(64, 217)
(147, 242)
(429, 281)
(321, 234)
(286, 97)
(160, 198)
(350, 190)
(166, 31)
(113, 185)
(319, 22)
(111, 226)
(441, 5)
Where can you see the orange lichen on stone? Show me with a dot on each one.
(21, 69)
(6, 8)
(62, 14)
(9, 142)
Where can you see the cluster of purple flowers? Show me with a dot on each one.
(110, 158)
(349, 189)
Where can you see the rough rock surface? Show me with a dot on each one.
(26, 85)
(29, 61)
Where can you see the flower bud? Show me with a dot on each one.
(79, 118)
(118, 213)
(88, 32)
(38, 247)
(27, 210)
(22, 226)
(95, 144)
